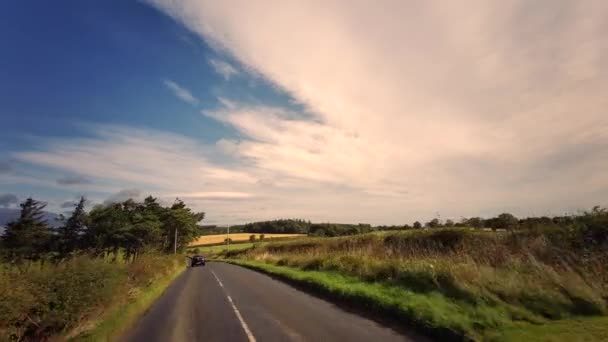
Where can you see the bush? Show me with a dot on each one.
(39, 300)
(44, 299)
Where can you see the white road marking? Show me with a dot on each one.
(236, 311)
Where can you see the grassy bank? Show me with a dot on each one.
(457, 283)
(81, 298)
(117, 320)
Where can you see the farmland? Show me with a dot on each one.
(207, 240)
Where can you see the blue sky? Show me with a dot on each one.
(334, 111)
(87, 62)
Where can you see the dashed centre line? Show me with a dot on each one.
(236, 310)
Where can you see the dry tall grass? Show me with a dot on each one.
(533, 275)
(40, 300)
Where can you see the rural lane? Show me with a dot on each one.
(224, 302)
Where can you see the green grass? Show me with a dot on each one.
(567, 330)
(452, 283)
(435, 314)
(116, 321)
(211, 251)
(221, 248)
(431, 312)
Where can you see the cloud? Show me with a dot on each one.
(68, 205)
(425, 100)
(408, 109)
(7, 200)
(169, 165)
(214, 195)
(5, 167)
(123, 195)
(73, 180)
(181, 92)
(223, 68)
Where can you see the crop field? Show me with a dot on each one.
(239, 237)
(211, 251)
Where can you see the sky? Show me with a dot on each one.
(380, 112)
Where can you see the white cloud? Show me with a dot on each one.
(123, 195)
(464, 108)
(223, 68)
(467, 106)
(181, 92)
(7, 200)
(214, 195)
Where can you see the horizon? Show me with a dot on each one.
(327, 111)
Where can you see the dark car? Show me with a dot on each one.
(197, 260)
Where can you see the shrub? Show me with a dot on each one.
(39, 300)
(44, 299)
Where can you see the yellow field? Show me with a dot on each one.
(238, 237)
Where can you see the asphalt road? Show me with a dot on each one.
(223, 302)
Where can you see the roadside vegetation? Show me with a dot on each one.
(539, 279)
(92, 276)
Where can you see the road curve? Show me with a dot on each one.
(223, 302)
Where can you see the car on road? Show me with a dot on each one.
(197, 260)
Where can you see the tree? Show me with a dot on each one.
(181, 225)
(69, 235)
(417, 225)
(28, 238)
(449, 223)
(506, 221)
(133, 226)
(434, 223)
(109, 228)
(145, 226)
(475, 222)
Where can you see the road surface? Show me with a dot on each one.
(223, 302)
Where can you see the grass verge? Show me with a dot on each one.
(423, 312)
(118, 319)
(435, 315)
(566, 330)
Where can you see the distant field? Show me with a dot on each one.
(211, 251)
(239, 237)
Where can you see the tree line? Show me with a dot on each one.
(504, 221)
(129, 227)
(299, 226)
